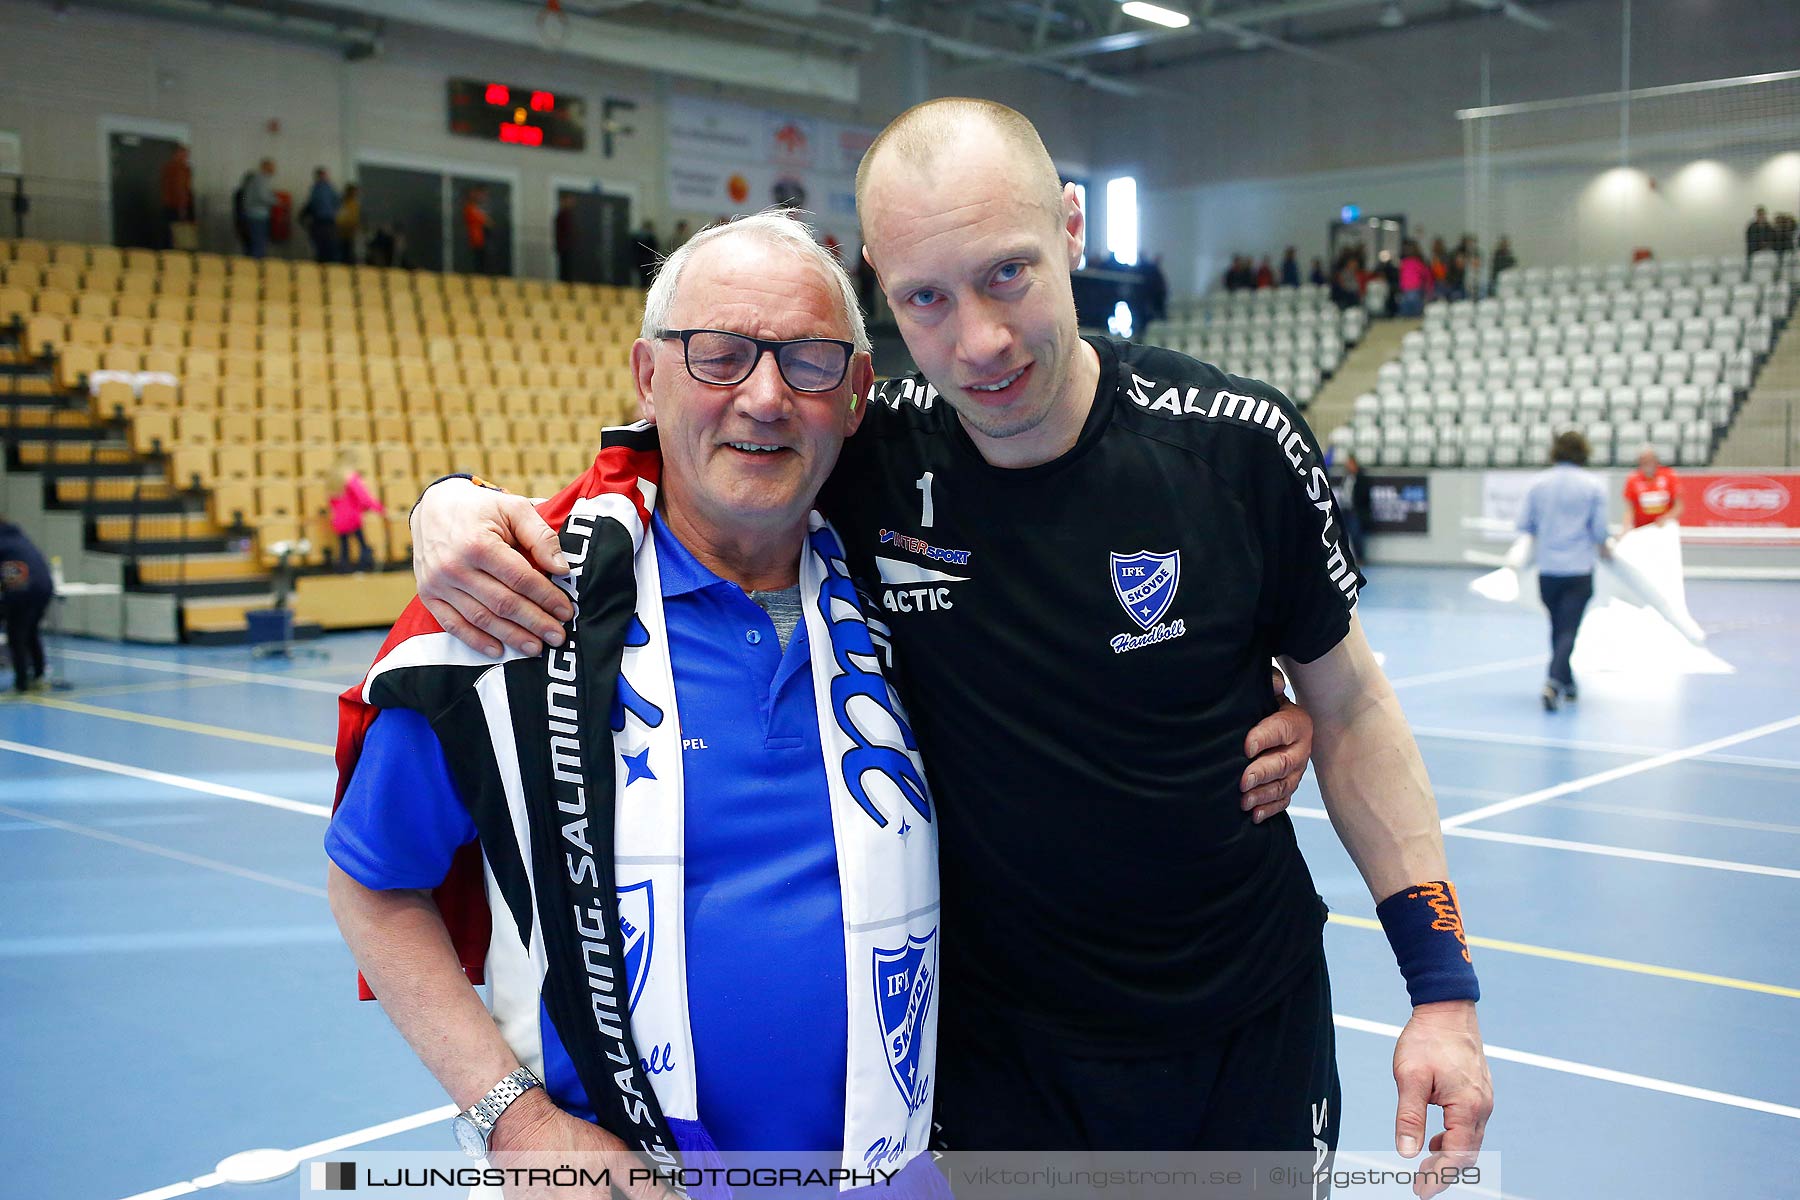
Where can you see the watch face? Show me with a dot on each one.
(469, 1137)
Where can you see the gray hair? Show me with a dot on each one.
(775, 226)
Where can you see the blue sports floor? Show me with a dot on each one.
(175, 990)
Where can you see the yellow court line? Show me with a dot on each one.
(1601, 960)
(218, 731)
(138, 689)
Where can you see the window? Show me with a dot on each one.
(1122, 219)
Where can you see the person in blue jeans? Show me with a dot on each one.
(1565, 511)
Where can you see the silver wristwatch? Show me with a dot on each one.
(476, 1125)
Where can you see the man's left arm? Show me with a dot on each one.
(1375, 789)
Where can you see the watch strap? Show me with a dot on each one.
(485, 1112)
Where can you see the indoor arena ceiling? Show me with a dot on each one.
(815, 46)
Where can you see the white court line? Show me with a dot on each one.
(1505, 664)
(196, 860)
(1552, 743)
(199, 672)
(1620, 772)
(1626, 810)
(1589, 1071)
(178, 781)
(212, 1179)
(1605, 851)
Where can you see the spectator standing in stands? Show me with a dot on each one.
(1565, 510)
(1416, 281)
(25, 593)
(1351, 489)
(476, 226)
(1156, 289)
(649, 252)
(1265, 275)
(350, 499)
(1652, 492)
(319, 215)
(1346, 278)
(1759, 234)
(258, 192)
(1439, 262)
(1783, 241)
(1290, 269)
(177, 194)
(563, 233)
(1317, 277)
(1504, 260)
(349, 223)
(683, 231)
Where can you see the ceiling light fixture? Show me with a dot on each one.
(1155, 14)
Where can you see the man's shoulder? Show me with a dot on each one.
(1198, 407)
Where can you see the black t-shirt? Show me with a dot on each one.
(1084, 646)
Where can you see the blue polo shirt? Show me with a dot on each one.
(765, 953)
(1565, 510)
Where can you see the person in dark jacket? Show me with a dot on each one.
(25, 592)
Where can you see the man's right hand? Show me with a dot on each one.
(481, 560)
(534, 1132)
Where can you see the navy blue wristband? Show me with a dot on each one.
(1424, 926)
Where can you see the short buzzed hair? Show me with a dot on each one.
(925, 131)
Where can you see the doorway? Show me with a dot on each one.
(134, 163)
(601, 250)
(409, 204)
(498, 206)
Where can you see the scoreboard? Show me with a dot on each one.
(518, 116)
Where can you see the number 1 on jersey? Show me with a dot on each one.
(923, 483)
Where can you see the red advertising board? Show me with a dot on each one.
(1751, 499)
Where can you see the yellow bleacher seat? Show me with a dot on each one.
(161, 395)
(134, 306)
(235, 395)
(190, 466)
(231, 502)
(501, 463)
(351, 429)
(316, 429)
(126, 331)
(393, 428)
(570, 461)
(394, 460)
(525, 431)
(62, 277)
(316, 461)
(196, 428)
(278, 462)
(73, 365)
(31, 250)
(432, 461)
(15, 304)
(277, 397)
(94, 304)
(101, 279)
(121, 358)
(145, 261)
(277, 429)
(277, 340)
(460, 430)
(106, 258)
(235, 461)
(206, 310)
(350, 398)
(29, 276)
(55, 302)
(238, 429)
(170, 308)
(203, 336)
(114, 398)
(152, 429)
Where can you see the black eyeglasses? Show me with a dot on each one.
(719, 357)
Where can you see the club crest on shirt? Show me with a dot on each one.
(1145, 584)
(904, 980)
(637, 928)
